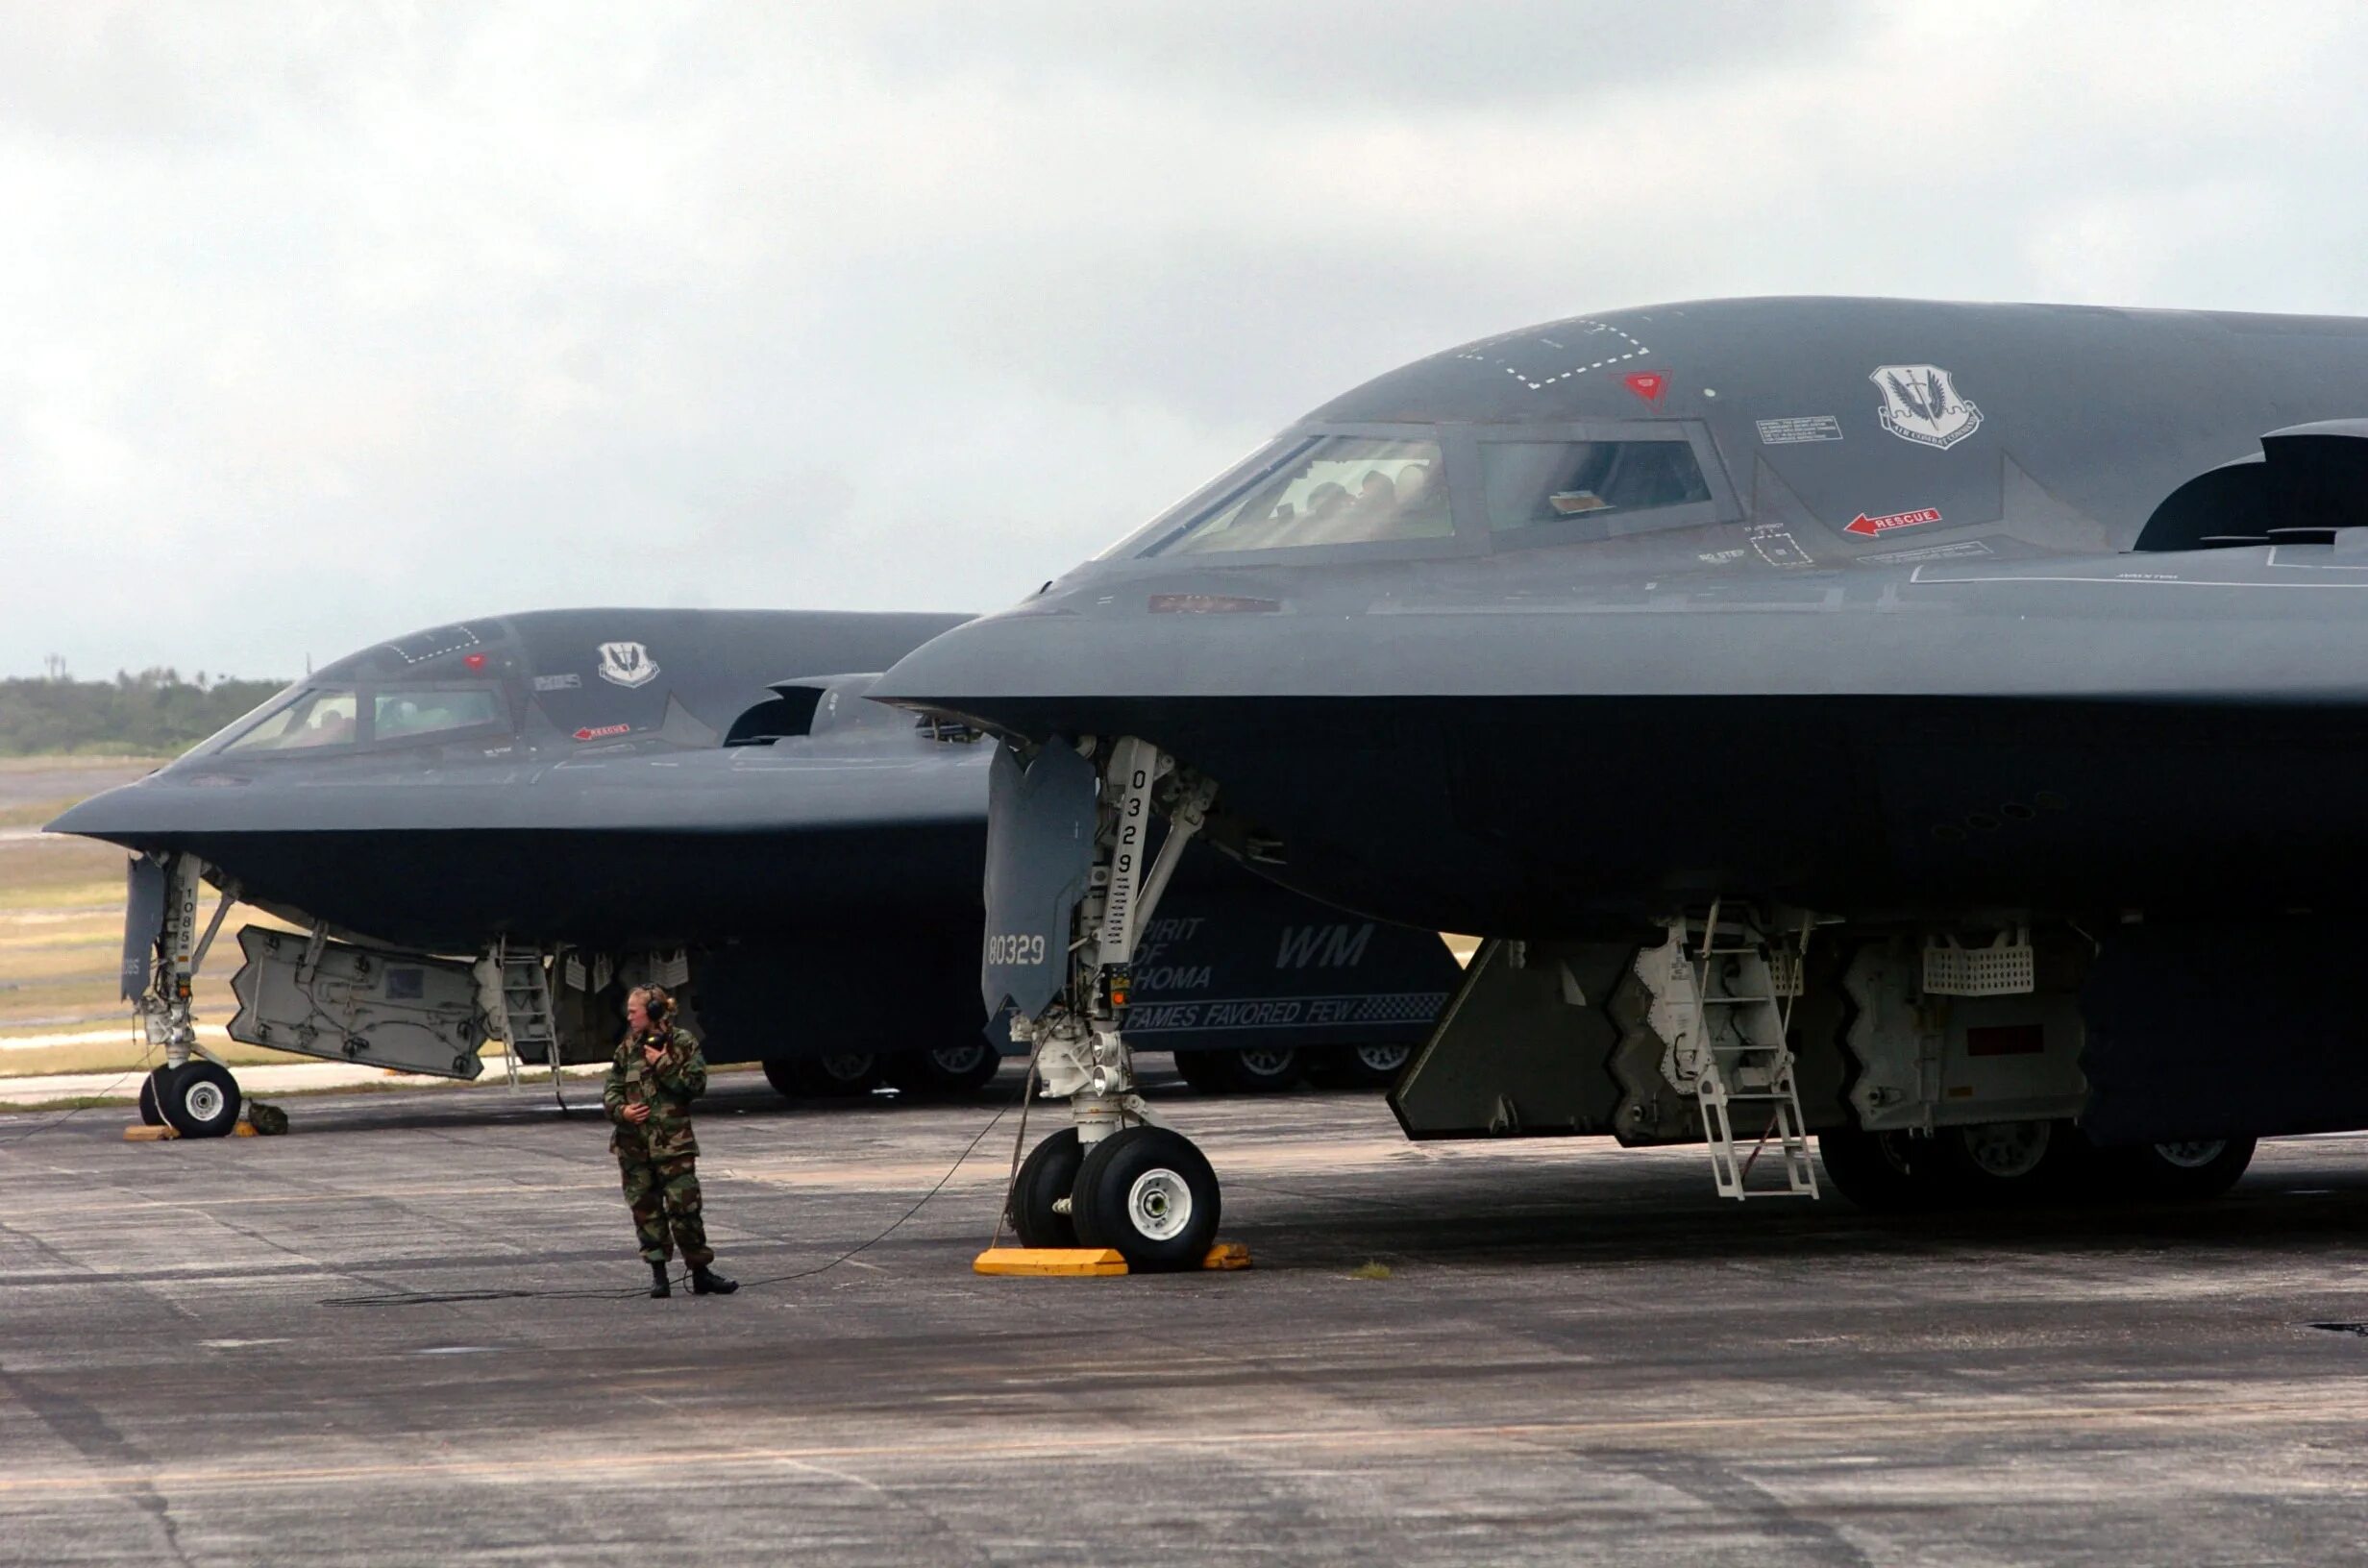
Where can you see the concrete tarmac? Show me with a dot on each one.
(229, 1353)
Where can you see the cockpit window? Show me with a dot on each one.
(1570, 485)
(1313, 490)
(412, 712)
(315, 721)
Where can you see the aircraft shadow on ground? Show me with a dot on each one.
(1575, 1219)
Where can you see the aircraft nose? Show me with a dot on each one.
(125, 814)
(95, 818)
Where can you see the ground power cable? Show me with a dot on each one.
(91, 1102)
(102, 1099)
(1018, 1143)
(428, 1298)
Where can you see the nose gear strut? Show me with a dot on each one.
(1162, 1210)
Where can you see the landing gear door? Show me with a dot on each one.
(143, 922)
(1040, 858)
(341, 1003)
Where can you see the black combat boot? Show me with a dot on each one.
(658, 1285)
(707, 1282)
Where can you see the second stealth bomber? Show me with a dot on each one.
(491, 829)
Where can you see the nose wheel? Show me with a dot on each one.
(1040, 1199)
(197, 1099)
(1150, 1193)
(151, 1107)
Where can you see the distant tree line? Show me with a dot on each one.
(153, 713)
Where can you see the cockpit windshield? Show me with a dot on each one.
(323, 718)
(1587, 489)
(1308, 490)
(317, 718)
(410, 714)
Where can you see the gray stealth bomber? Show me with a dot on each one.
(498, 825)
(1988, 677)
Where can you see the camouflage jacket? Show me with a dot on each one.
(667, 1087)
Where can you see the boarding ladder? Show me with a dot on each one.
(1743, 1066)
(528, 1018)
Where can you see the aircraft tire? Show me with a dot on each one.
(943, 1073)
(2010, 1164)
(150, 1087)
(1048, 1174)
(2189, 1172)
(1261, 1069)
(201, 1100)
(1148, 1192)
(840, 1075)
(1883, 1172)
(783, 1076)
(1357, 1067)
(1203, 1071)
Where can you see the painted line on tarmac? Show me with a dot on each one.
(99, 1036)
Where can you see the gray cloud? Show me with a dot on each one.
(320, 324)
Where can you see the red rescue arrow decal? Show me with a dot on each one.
(1647, 384)
(1867, 527)
(604, 731)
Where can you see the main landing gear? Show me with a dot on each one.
(937, 1072)
(1273, 1069)
(2010, 1163)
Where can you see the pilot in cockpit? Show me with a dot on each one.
(1329, 508)
(1414, 488)
(326, 728)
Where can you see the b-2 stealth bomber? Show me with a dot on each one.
(489, 830)
(1930, 726)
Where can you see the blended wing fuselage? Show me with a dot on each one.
(617, 783)
(565, 774)
(1815, 601)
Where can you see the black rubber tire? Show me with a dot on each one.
(1047, 1174)
(783, 1076)
(2154, 1170)
(1885, 1172)
(841, 1075)
(150, 1087)
(201, 1101)
(1202, 1071)
(943, 1073)
(1112, 1209)
(1264, 1069)
(1358, 1068)
(2012, 1165)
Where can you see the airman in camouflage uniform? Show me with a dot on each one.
(654, 1076)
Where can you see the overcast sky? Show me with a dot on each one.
(320, 323)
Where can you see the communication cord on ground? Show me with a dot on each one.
(147, 1052)
(1019, 1146)
(427, 1298)
(62, 1119)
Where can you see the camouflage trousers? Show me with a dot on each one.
(664, 1197)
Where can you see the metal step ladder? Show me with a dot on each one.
(1744, 1065)
(528, 1016)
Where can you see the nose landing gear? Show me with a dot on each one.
(197, 1097)
(1111, 1179)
